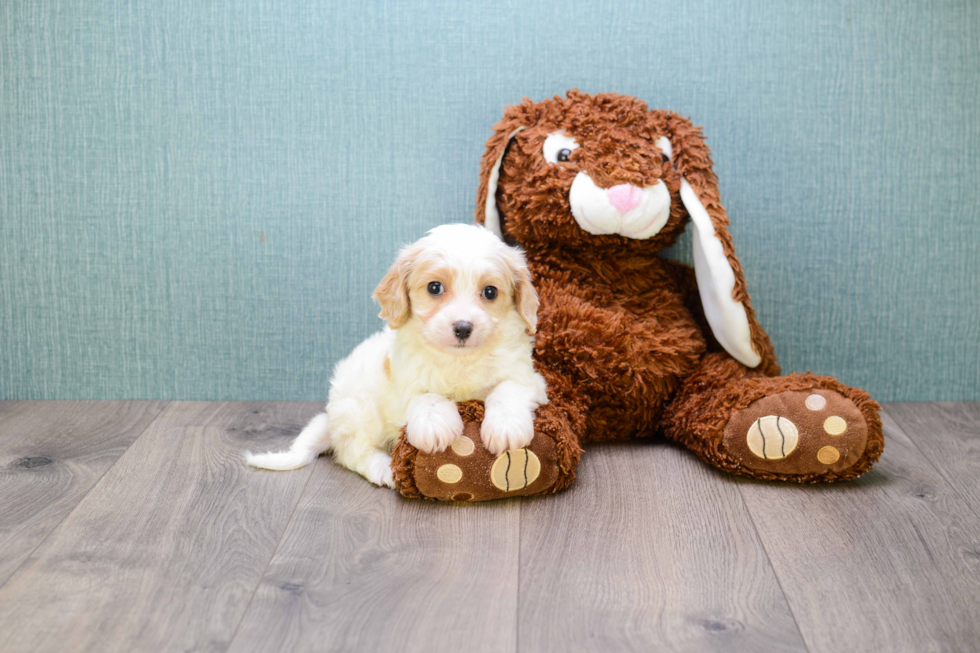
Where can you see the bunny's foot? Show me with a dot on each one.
(801, 428)
(814, 433)
(466, 471)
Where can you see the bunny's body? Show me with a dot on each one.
(594, 315)
(632, 344)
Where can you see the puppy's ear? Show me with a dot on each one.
(721, 282)
(392, 292)
(515, 119)
(525, 296)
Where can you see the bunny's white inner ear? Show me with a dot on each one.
(491, 216)
(716, 282)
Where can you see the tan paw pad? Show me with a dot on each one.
(515, 470)
(815, 402)
(834, 425)
(449, 474)
(772, 437)
(462, 446)
(828, 455)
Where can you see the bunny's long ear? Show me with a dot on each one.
(721, 282)
(487, 213)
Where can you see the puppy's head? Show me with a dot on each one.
(458, 286)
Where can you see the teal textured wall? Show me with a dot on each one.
(198, 197)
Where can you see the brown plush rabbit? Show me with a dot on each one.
(631, 344)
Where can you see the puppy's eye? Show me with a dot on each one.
(435, 288)
(490, 293)
(558, 147)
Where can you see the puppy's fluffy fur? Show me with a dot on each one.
(412, 373)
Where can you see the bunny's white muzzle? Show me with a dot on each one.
(627, 210)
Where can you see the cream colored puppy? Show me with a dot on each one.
(461, 310)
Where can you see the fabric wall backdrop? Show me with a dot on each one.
(198, 197)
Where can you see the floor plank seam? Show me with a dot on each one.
(299, 499)
(520, 576)
(939, 470)
(775, 573)
(44, 539)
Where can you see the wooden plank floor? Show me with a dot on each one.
(134, 526)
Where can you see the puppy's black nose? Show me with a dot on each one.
(463, 329)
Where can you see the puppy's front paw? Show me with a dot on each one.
(504, 429)
(433, 423)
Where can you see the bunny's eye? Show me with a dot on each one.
(558, 147)
(664, 157)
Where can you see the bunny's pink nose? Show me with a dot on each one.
(624, 197)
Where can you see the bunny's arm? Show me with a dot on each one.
(609, 340)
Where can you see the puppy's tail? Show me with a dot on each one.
(310, 443)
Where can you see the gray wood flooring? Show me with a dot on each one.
(134, 526)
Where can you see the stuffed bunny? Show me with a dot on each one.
(632, 344)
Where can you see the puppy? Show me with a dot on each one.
(461, 311)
